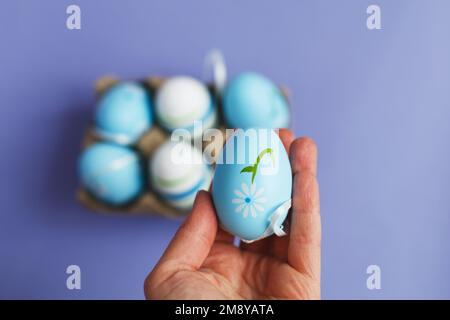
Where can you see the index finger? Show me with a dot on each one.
(305, 233)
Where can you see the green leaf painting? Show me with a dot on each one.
(254, 168)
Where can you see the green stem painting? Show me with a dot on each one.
(254, 168)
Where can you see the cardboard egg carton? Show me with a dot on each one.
(148, 202)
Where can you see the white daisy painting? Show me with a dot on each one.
(250, 200)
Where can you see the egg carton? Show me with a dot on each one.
(148, 202)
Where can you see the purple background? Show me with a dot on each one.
(376, 102)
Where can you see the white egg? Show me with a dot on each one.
(182, 100)
(177, 173)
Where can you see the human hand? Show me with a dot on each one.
(201, 261)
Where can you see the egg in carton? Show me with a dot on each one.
(155, 107)
(116, 168)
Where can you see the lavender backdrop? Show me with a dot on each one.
(376, 102)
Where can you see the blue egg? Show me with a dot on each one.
(252, 184)
(124, 113)
(112, 173)
(251, 100)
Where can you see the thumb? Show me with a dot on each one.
(193, 240)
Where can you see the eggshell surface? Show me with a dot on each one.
(181, 101)
(251, 181)
(252, 100)
(123, 113)
(111, 172)
(177, 173)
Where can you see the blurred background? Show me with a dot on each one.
(377, 102)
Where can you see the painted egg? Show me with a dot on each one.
(111, 173)
(252, 184)
(123, 113)
(177, 172)
(251, 100)
(181, 102)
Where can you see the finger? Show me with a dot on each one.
(261, 246)
(193, 240)
(279, 245)
(305, 235)
(223, 236)
(286, 136)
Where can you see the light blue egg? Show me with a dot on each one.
(112, 173)
(252, 184)
(124, 113)
(251, 100)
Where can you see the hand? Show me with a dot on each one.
(201, 261)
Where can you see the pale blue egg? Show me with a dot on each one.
(252, 184)
(123, 113)
(251, 100)
(112, 173)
